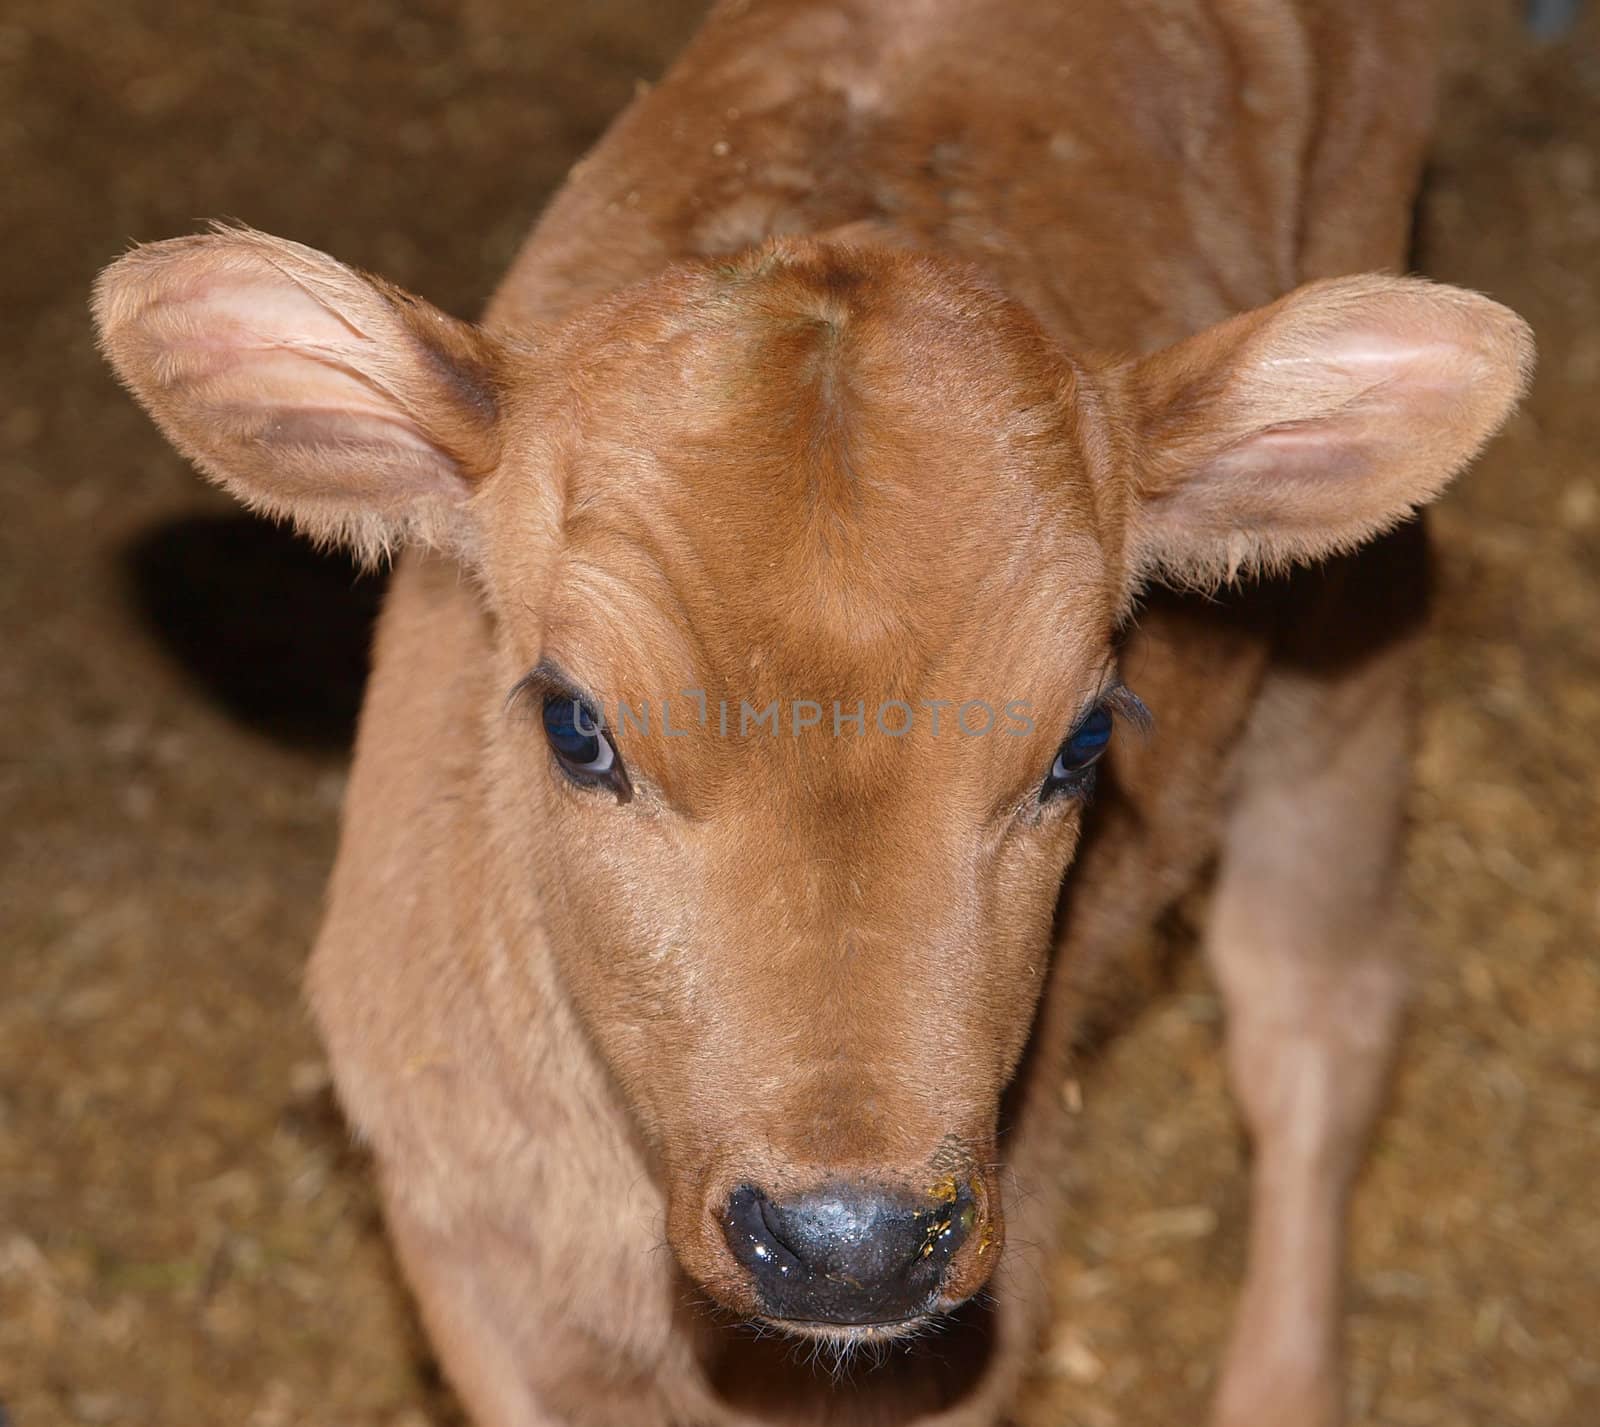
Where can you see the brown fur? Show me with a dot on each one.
(881, 352)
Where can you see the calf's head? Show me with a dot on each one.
(804, 572)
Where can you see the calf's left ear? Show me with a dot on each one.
(1305, 427)
(306, 388)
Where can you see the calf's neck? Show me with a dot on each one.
(895, 405)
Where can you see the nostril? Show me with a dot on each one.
(747, 1224)
(946, 1228)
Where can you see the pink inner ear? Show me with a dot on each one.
(1291, 474)
(279, 305)
(302, 394)
(269, 350)
(1367, 400)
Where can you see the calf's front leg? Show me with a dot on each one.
(1306, 942)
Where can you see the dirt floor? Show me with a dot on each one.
(186, 1236)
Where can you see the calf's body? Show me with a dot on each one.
(928, 445)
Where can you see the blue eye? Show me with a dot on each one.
(577, 739)
(1079, 753)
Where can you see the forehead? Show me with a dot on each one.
(822, 473)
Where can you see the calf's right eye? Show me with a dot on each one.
(583, 749)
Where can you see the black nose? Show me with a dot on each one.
(851, 1254)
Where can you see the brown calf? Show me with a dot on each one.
(866, 374)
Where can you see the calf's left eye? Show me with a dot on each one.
(1073, 769)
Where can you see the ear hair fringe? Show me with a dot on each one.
(1244, 556)
(371, 539)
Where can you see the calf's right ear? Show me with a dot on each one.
(307, 389)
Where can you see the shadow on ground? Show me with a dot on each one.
(272, 631)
